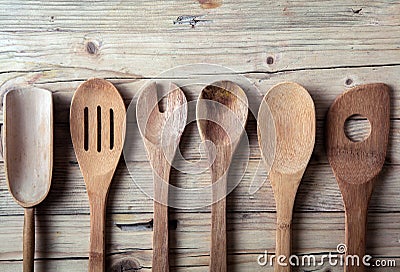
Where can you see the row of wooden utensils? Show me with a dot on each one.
(286, 131)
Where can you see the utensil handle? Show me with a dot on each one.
(29, 240)
(97, 234)
(283, 238)
(283, 247)
(355, 236)
(218, 262)
(160, 238)
(160, 222)
(285, 195)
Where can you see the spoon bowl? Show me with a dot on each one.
(286, 148)
(221, 114)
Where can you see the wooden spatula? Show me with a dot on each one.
(356, 164)
(97, 124)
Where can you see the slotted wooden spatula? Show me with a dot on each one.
(356, 164)
(97, 124)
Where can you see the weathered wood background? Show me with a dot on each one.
(327, 46)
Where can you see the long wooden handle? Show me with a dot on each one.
(218, 262)
(283, 246)
(218, 252)
(285, 188)
(356, 225)
(283, 236)
(356, 198)
(161, 170)
(97, 234)
(160, 238)
(29, 240)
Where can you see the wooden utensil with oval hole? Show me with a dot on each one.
(97, 124)
(161, 133)
(357, 164)
(28, 155)
(288, 146)
(221, 114)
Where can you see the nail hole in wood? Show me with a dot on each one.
(357, 128)
(98, 129)
(86, 129)
(349, 81)
(91, 48)
(270, 60)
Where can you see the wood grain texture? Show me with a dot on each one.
(249, 235)
(325, 46)
(28, 156)
(289, 111)
(357, 164)
(29, 240)
(221, 115)
(161, 132)
(98, 146)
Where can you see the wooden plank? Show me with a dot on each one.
(324, 85)
(318, 192)
(300, 33)
(327, 47)
(249, 234)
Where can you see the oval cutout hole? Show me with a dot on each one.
(357, 128)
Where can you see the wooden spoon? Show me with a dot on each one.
(292, 110)
(357, 164)
(161, 133)
(28, 155)
(222, 110)
(97, 124)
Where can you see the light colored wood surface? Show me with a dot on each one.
(288, 148)
(326, 46)
(97, 126)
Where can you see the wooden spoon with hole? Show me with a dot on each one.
(288, 146)
(97, 124)
(357, 164)
(161, 133)
(28, 155)
(221, 114)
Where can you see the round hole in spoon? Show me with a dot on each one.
(357, 128)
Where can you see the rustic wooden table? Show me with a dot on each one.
(327, 46)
